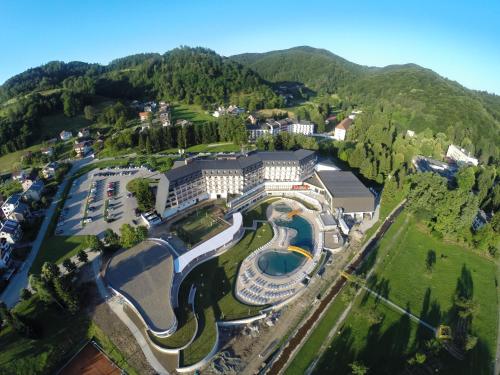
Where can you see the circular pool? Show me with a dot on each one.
(279, 263)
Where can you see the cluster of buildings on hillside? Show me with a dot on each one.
(232, 110)
(274, 127)
(244, 179)
(158, 112)
(82, 145)
(14, 211)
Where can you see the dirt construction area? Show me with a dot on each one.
(99, 200)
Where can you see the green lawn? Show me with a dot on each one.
(214, 281)
(61, 336)
(57, 248)
(190, 112)
(186, 330)
(429, 294)
(200, 225)
(372, 334)
(52, 125)
(257, 213)
(13, 159)
(402, 276)
(309, 351)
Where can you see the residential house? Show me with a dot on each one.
(19, 176)
(144, 116)
(47, 151)
(183, 123)
(479, 221)
(330, 118)
(81, 149)
(26, 184)
(252, 119)
(5, 253)
(11, 231)
(49, 170)
(65, 135)
(14, 209)
(165, 118)
(342, 128)
(461, 156)
(84, 133)
(35, 191)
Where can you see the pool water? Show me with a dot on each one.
(279, 263)
(282, 262)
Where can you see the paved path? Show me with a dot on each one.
(117, 308)
(20, 280)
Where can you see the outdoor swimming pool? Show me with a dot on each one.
(282, 262)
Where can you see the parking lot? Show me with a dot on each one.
(100, 191)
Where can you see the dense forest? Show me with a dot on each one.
(395, 97)
(414, 97)
(189, 75)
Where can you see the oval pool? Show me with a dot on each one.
(279, 263)
(282, 262)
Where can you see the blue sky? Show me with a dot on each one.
(458, 39)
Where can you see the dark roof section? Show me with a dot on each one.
(196, 167)
(348, 191)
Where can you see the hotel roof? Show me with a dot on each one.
(348, 191)
(236, 165)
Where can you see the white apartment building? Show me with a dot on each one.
(342, 128)
(273, 127)
(10, 231)
(211, 179)
(460, 155)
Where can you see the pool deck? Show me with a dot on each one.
(255, 287)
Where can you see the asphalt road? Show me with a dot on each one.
(20, 280)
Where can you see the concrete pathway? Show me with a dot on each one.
(116, 306)
(20, 280)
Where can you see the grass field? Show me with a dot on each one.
(308, 352)
(57, 248)
(61, 336)
(13, 160)
(257, 213)
(52, 125)
(190, 112)
(208, 147)
(372, 334)
(215, 300)
(200, 225)
(382, 338)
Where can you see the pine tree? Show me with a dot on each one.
(66, 294)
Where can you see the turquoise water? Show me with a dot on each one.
(278, 263)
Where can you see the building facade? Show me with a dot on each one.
(460, 155)
(212, 179)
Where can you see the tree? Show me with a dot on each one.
(15, 322)
(43, 289)
(50, 271)
(82, 256)
(141, 233)
(111, 238)
(94, 243)
(89, 112)
(466, 178)
(69, 265)
(470, 342)
(25, 294)
(358, 368)
(128, 236)
(66, 294)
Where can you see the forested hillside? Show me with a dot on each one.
(415, 98)
(189, 75)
